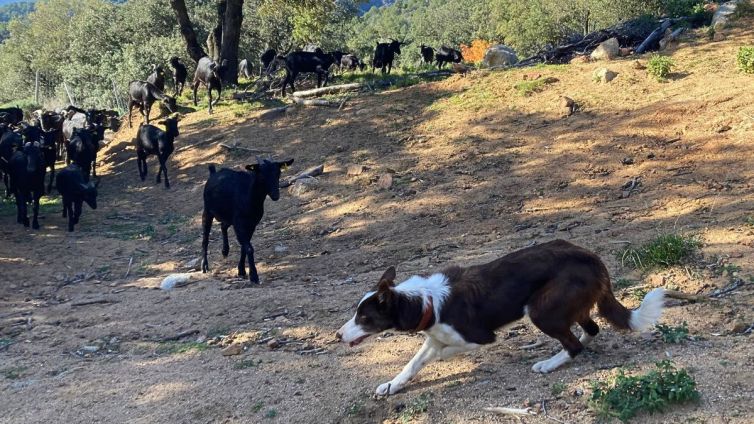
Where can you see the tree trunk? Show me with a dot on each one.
(231, 36)
(215, 37)
(193, 48)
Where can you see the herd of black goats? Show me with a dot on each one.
(233, 198)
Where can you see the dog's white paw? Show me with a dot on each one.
(552, 364)
(388, 388)
(542, 367)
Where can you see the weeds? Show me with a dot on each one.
(624, 397)
(354, 409)
(659, 67)
(246, 363)
(257, 406)
(558, 388)
(623, 283)
(416, 407)
(745, 59)
(13, 373)
(673, 335)
(272, 413)
(527, 88)
(663, 251)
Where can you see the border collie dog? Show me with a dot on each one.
(556, 284)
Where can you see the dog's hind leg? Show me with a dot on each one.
(429, 351)
(591, 329)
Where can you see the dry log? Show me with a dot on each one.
(180, 336)
(654, 37)
(309, 173)
(311, 102)
(92, 302)
(273, 113)
(333, 89)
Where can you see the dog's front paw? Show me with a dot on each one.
(542, 367)
(388, 388)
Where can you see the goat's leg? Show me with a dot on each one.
(35, 208)
(147, 111)
(209, 93)
(77, 211)
(94, 162)
(327, 77)
(249, 249)
(196, 87)
(52, 178)
(206, 228)
(7, 185)
(21, 209)
(226, 245)
(164, 170)
(130, 109)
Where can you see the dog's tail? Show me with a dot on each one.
(637, 320)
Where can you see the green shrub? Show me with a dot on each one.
(627, 395)
(663, 251)
(745, 59)
(744, 9)
(527, 88)
(659, 67)
(673, 335)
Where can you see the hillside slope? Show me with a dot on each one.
(478, 170)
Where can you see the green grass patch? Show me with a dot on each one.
(673, 335)
(257, 406)
(527, 88)
(659, 67)
(661, 252)
(745, 59)
(13, 373)
(47, 205)
(415, 407)
(558, 388)
(272, 413)
(625, 396)
(623, 283)
(171, 348)
(246, 363)
(354, 409)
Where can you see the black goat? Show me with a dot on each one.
(244, 69)
(157, 77)
(302, 62)
(428, 53)
(236, 198)
(151, 140)
(144, 94)
(208, 73)
(179, 75)
(48, 144)
(50, 121)
(351, 62)
(267, 57)
(74, 190)
(82, 149)
(10, 142)
(12, 115)
(27, 181)
(384, 55)
(447, 55)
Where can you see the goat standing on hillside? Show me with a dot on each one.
(151, 140)
(236, 198)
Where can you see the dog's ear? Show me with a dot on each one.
(386, 284)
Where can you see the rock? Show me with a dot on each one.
(738, 327)
(604, 75)
(280, 248)
(607, 50)
(354, 170)
(723, 14)
(233, 350)
(580, 59)
(625, 51)
(175, 280)
(194, 264)
(90, 349)
(459, 68)
(567, 106)
(385, 181)
(273, 344)
(627, 161)
(724, 128)
(638, 65)
(719, 36)
(499, 55)
(303, 185)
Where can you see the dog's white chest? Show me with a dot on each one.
(446, 335)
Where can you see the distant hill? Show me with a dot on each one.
(10, 10)
(7, 2)
(374, 3)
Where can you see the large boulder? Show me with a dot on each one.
(723, 14)
(499, 56)
(607, 50)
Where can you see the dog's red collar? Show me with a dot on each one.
(427, 315)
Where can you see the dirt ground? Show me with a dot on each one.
(478, 170)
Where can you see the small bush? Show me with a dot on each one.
(745, 59)
(627, 395)
(527, 88)
(664, 251)
(416, 407)
(659, 67)
(673, 335)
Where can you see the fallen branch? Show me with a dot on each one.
(674, 294)
(92, 302)
(235, 146)
(725, 290)
(654, 37)
(332, 89)
(309, 173)
(311, 102)
(130, 262)
(180, 336)
(511, 411)
(534, 345)
(314, 351)
(273, 316)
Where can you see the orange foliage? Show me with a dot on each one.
(475, 52)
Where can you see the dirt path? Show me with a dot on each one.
(478, 170)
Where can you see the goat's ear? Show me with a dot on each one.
(285, 164)
(252, 168)
(161, 122)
